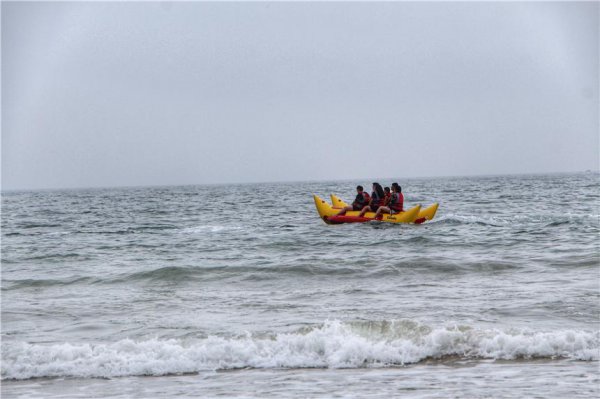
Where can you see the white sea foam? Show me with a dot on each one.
(333, 345)
(202, 229)
(509, 220)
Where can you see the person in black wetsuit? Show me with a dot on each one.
(376, 200)
(360, 201)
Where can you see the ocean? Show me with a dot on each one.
(242, 291)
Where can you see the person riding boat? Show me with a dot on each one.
(388, 195)
(396, 203)
(377, 197)
(362, 198)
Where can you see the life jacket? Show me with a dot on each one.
(375, 200)
(386, 199)
(362, 199)
(397, 202)
(366, 197)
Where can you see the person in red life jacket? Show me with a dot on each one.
(359, 203)
(376, 201)
(396, 203)
(388, 195)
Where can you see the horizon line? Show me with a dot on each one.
(101, 187)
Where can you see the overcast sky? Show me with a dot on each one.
(111, 94)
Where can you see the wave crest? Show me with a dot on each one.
(331, 345)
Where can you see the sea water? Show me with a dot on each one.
(242, 291)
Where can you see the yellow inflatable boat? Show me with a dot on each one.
(328, 213)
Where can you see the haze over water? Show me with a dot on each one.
(102, 94)
(496, 297)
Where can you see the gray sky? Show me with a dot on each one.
(108, 94)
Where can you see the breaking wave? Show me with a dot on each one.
(334, 344)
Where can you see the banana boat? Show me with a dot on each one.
(329, 212)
